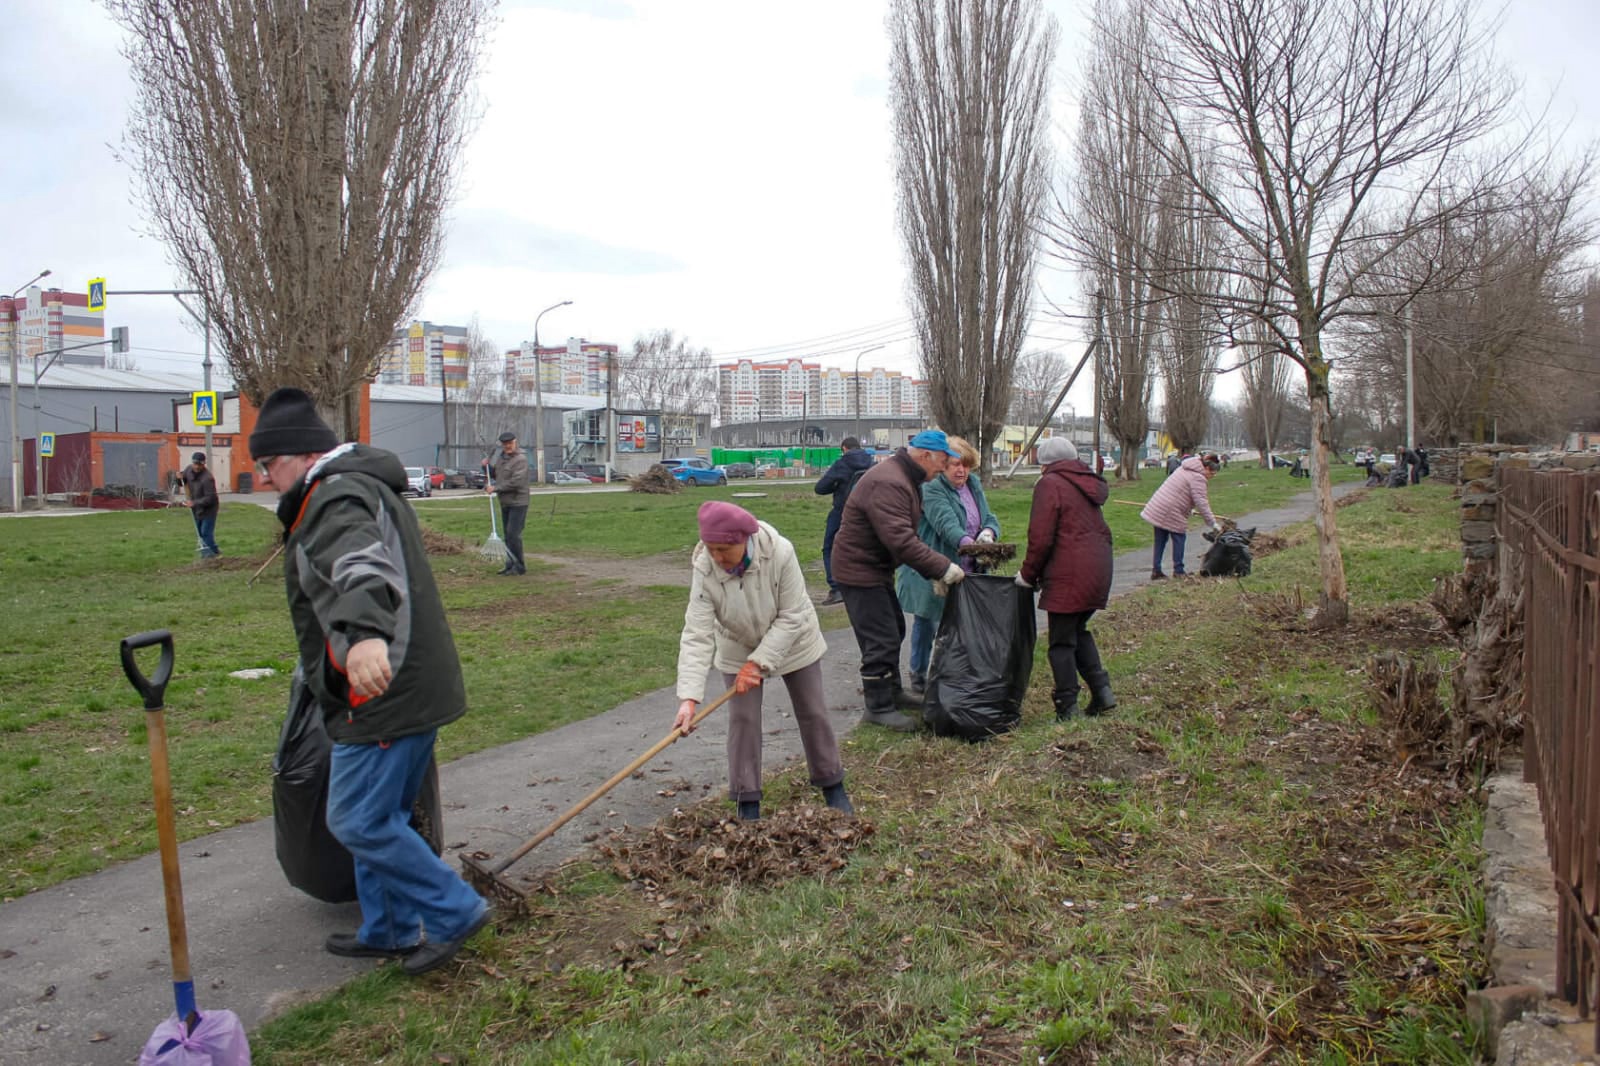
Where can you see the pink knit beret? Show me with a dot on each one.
(725, 523)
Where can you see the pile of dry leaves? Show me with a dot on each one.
(702, 847)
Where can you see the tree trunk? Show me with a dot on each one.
(1333, 603)
(1128, 465)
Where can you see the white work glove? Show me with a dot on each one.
(1021, 582)
(986, 536)
(954, 575)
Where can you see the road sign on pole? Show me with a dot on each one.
(47, 445)
(205, 409)
(97, 294)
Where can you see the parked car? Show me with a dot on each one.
(418, 483)
(1387, 459)
(695, 471)
(475, 478)
(436, 477)
(739, 469)
(564, 477)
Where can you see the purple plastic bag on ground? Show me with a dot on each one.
(218, 1040)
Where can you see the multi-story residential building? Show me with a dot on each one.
(49, 319)
(420, 354)
(748, 391)
(578, 368)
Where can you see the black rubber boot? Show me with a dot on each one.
(836, 797)
(1066, 704)
(1100, 698)
(878, 693)
(749, 810)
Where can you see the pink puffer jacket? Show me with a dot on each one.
(1182, 492)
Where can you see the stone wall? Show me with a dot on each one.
(1475, 468)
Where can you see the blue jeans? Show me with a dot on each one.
(830, 530)
(207, 528)
(922, 631)
(407, 893)
(1178, 539)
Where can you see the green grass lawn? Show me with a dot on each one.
(74, 779)
(1231, 867)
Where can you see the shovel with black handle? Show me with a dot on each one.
(187, 1035)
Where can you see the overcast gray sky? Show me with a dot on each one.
(721, 168)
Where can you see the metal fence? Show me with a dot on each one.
(1549, 532)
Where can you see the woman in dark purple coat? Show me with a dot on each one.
(1069, 558)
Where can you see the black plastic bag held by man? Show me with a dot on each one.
(982, 659)
(311, 858)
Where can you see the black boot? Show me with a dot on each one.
(1066, 704)
(749, 810)
(878, 694)
(836, 797)
(1100, 698)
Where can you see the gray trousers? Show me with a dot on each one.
(810, 717)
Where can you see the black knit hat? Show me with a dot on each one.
(289, 425)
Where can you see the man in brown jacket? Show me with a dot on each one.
(878, 533)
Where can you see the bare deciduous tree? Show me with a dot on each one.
(1187, 346)
(1266, 375)
(481, 406)
(1109, 217)
(665, 372)
(969, 89)
(1035, 381)
(1330, 126)
(297, 158)
(1496, 339)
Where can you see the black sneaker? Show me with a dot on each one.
(832, 598)
(350, 946)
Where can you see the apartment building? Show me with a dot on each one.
(750, 391)
(577, 368)
(45, 320)
(423, 352)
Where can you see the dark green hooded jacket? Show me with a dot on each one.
(354, 568)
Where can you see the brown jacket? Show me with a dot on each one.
(878, 531)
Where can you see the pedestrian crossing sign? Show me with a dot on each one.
(205, 409)
(97, 294)
(47, 445)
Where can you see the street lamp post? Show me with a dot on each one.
(859, 354)
(538, 394)
(16, 435)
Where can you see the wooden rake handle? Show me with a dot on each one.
(616, 779)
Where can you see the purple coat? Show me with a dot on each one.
(1182, 492)
(1069, 543)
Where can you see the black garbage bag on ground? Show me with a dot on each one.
(982, 659)
(311, 857)
(1229, 554)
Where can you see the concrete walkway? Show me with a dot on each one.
(84, 968)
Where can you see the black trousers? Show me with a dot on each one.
(880, 627)
(515, 518)
(1073, 652)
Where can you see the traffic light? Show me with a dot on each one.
(119, 339)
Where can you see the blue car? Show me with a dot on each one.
(695, 471)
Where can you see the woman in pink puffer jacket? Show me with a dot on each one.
(1168, 510)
